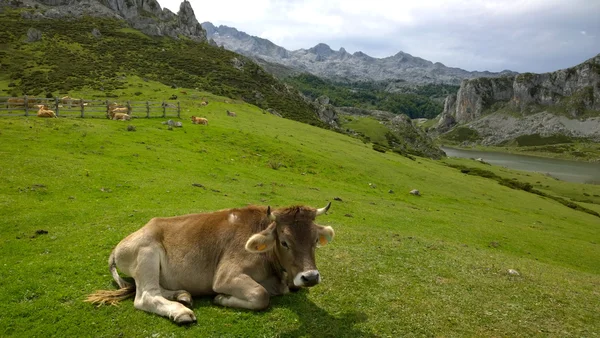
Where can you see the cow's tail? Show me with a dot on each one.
(112, 297)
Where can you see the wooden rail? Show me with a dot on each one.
(72, 107)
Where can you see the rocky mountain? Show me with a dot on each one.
(144, 15)
(322, 61)
(564, 102)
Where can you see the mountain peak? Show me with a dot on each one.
(144, 15)
(321, 49)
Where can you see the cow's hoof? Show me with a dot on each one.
(185, 299)
(185, 318)
(219, 299)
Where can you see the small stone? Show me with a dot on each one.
(337, 199)
(513, 272)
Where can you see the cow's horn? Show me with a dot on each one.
(269, 214)
(323, 210)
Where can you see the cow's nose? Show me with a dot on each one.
(310, 278)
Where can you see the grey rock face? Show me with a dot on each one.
(33, 35)
(322, 61)
(326, 112)
(524, 90)
(495, 129)
(96, 33)
(570, 93)
(144, 15)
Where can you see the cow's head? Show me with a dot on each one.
(293, 237)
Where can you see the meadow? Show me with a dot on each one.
(399, 266)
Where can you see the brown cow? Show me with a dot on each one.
(243, 256)
(232, 114)
(199, 120)
(121, 116)
(44, 111)
(70, 101)
(17, 102)
(113, 108)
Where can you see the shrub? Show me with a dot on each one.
(380, 148)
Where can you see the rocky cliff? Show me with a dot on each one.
(322, 61)
(144, 15)
(561, 102)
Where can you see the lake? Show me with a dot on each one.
(571, 171)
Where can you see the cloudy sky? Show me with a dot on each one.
(524, 36)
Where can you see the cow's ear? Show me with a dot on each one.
(262, 241)
(325, 234)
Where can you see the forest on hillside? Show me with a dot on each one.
(415, 101)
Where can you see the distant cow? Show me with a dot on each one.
(243, 256)
(199, 120)
(232, 114)
(121, 116)
(17, 102)
(44, 111)
(70, 101)
(204, 103)
(114, 108)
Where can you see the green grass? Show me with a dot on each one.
(460, 134)
(400, 265)
(367, 126)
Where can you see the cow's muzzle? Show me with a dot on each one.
(307, 278)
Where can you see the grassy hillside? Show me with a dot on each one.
(400, 265)
(70, 58)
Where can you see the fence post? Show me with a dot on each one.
(147, 109)
(128, 108)
(107, 110)
(26, 103)
(82, 106)
(178, 110)
(56, 107)
(164, 109)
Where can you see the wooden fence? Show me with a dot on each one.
(73, 107)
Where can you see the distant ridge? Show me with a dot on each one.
(322, 61)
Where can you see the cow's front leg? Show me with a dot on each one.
(240, 291)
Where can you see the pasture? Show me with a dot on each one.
(400, 265)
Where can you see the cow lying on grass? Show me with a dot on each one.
(232, 114)
(243, 256)
(17, 102)
(114, 108)
(121, 116)
(199, 120)
(44, 111)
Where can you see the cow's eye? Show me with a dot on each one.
(285, 245)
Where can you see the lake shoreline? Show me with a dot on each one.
(526, 152)
(563, 169)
